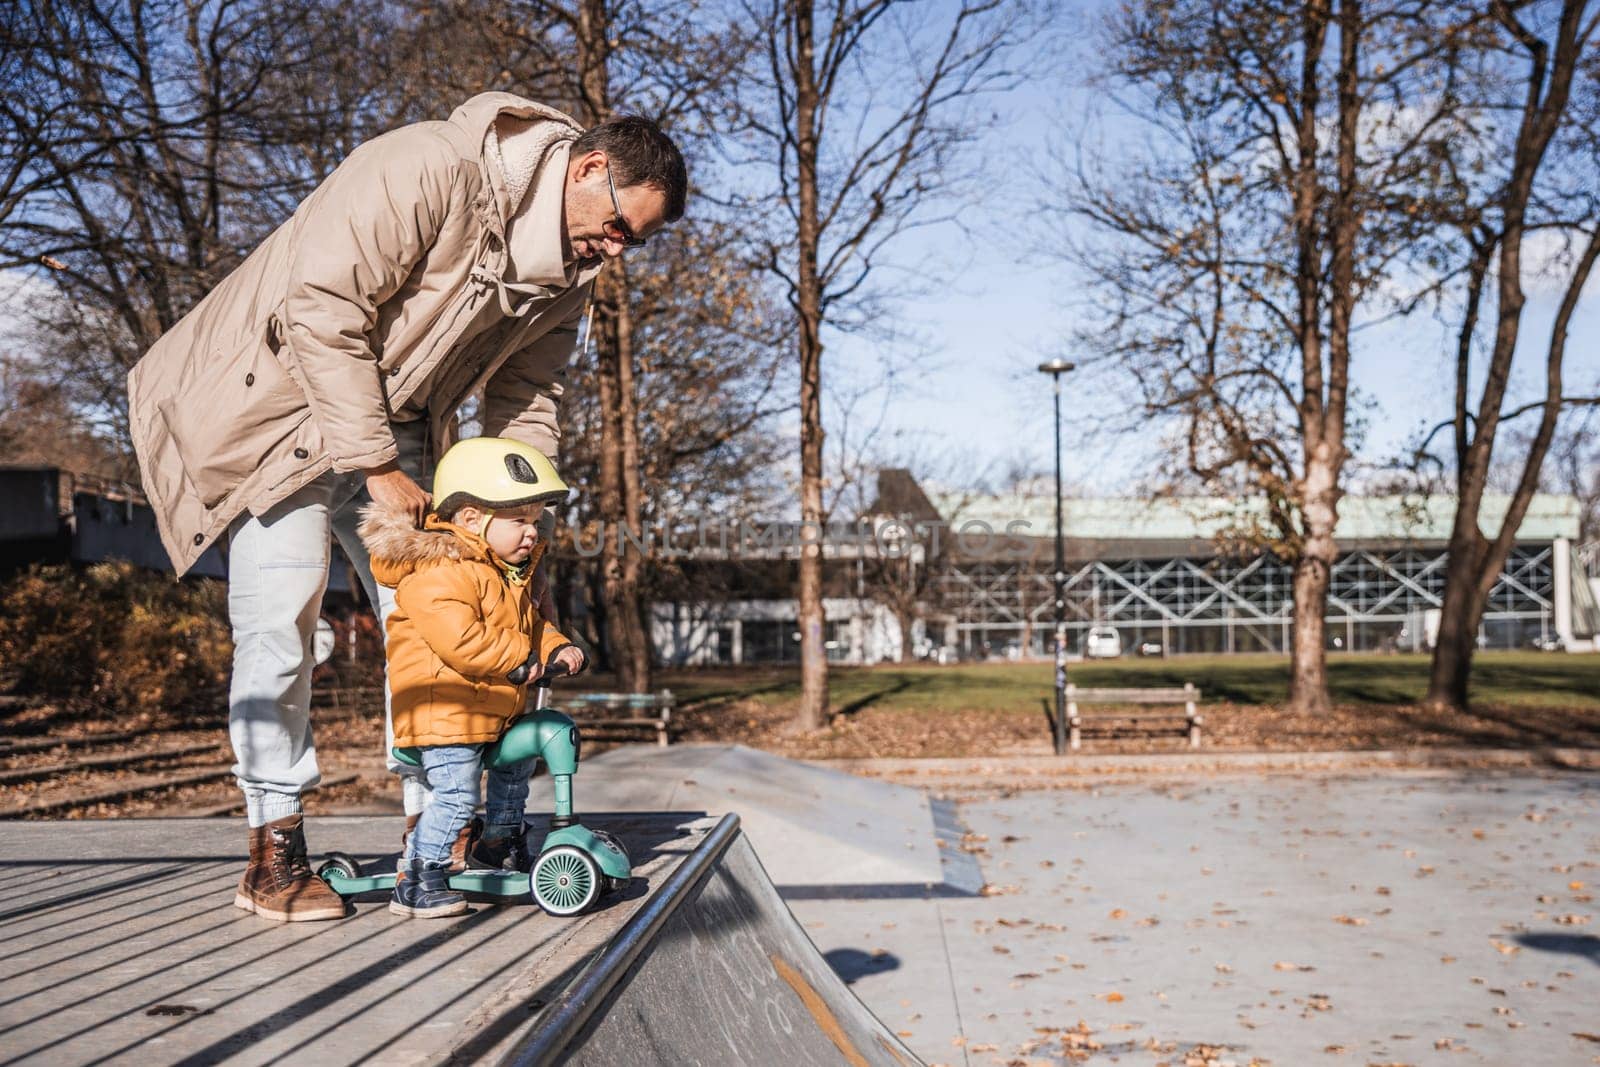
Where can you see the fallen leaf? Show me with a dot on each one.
(1503, 948)
(1112, 998)
(1117, 913)
(1349, 920)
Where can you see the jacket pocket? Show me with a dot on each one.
(231, 416)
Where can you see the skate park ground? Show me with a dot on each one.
(1182, 917)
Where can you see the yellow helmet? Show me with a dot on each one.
(494, 472)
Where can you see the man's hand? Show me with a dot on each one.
(391, 487)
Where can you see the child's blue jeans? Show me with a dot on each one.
(453, 773)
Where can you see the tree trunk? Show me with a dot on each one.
(619, 560)
(1457, 639)
(635, 675)
(1324, 402)
(813, 708)
(1308, 657)
(1475, 561)
(1308, 682)
(907, 620)
(620, 503)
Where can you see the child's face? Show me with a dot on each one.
(512, 533)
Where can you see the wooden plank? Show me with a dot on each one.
(129, 788)
(1131, 696)
(10, 746)
(118, 759)
(1142, 716)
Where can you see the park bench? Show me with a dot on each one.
(621, 716)
(1155, 710)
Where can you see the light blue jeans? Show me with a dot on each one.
(277, 573)
(453, 773)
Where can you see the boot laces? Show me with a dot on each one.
(289, 863)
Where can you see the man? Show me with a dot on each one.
(439, 259)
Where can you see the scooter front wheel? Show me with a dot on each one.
(565, 880)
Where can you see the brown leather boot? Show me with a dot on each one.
(465, 842)
(278, 883)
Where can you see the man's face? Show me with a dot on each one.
(592, 219)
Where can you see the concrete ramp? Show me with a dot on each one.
(714, 970)
(819, 832)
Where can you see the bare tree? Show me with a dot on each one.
(151, 145)
(1542, 178)
(858, 114)
(667, 61)
(1287, 146)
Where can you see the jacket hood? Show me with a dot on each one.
(477, 117)
(477, 113)
(397, 547)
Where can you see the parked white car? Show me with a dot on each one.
(1103, 642)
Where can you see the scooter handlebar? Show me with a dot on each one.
(554, 669)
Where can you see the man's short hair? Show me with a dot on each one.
(640, 154)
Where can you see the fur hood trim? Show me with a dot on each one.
(397, 547)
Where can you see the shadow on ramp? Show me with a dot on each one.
(713, 968)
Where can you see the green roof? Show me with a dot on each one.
(1361, 519)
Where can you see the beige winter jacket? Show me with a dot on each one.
(386, 294)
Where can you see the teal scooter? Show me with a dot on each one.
(576, 866)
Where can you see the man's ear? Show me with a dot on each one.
(587, 165)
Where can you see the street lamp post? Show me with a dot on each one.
(1056, 368)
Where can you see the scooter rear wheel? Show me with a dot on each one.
(565, 880)
(339, 863)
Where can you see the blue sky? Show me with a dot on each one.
(970, 387)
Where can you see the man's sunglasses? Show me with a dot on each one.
(618, 229)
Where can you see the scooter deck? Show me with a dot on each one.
(482, 883)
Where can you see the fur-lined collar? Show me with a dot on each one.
(390, 535)
(397, 547)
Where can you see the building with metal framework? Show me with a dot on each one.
(1171, 575)
(1174, 574)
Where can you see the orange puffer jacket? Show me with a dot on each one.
(459, 626)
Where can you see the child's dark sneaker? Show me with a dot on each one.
(422, 891)
(502, 852)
